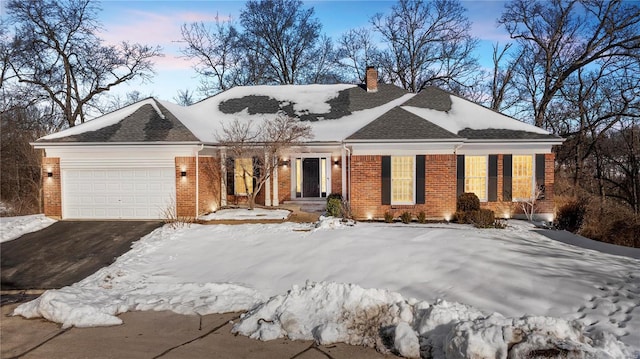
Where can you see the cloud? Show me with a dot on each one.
(155, 28)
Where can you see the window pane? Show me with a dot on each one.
(522, 177)
(298, 176)
(475, 176)
(402, 177)
(243, 175)
(323, 175)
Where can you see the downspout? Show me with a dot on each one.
(344, 146)
(198, 181)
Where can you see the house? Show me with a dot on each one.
(382, 148)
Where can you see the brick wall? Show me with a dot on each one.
(284, 183)
(186, 187)
(336, 178)
(509, 209)
(51, 187)
(209, 184)
(440, 183)
(366, 191)
(440, 188)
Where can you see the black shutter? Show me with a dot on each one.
(231, 176)
(256, 172)
(540, 174)
(386, 179)
(506, 177)
(420, 179)
(492, 196)
(460, 175)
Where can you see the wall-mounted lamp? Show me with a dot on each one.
(336, 162)
(183, 174)
(284, 162)
(49, 174)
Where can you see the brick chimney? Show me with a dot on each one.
(372, 79)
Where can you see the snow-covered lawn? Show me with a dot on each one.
(14, 227)
(296, 278)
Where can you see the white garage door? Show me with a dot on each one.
(117, 193)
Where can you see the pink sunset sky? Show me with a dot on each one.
(157, 22)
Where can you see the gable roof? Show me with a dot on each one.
(144, 121)
(335, 113)
(399, 124)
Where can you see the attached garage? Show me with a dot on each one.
(116, 193)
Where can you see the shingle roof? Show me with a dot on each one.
(432, 98)
(503, 134)
(335, 113)
(399, 124)
(349, 100)
(143, 125)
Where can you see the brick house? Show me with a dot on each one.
(382, 148)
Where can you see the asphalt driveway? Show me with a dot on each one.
(66, 252)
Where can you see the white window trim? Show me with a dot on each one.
(486, 177)
(302, 155)
(533, 177)
(235, 173)
(413, 171)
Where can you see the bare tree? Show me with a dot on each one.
(216, 51)
(357, 50)
(184, 98)
(429, 43)
(284, 36)
(56, 49)
(560, 37)
(257, 147)
(504, 94)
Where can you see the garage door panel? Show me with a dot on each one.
(139, 193)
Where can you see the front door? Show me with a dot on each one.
(311, 177)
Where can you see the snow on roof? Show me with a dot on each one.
(206, 120)
(466, 114)
(104, 121)
(329, 130)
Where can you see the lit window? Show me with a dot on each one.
(522, 177)
(323, 176)
(475, 176)
(402, 179)
(243, 176)
(298, 177)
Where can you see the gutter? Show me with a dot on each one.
(198, 181)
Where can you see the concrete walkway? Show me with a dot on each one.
(156, 335)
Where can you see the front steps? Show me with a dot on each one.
(310, 205)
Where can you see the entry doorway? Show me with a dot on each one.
(311, 177)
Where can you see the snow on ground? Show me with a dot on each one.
(14, 227)
(516, 272)
(244, 214)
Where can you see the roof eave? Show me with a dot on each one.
(39, 145)
(437, 140)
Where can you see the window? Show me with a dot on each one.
(475, 176)
(243, 173)
(522, 177)
(402, 179)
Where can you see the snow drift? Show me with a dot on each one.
(331, 312)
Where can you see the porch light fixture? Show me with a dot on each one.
(183, 174)
(335, 162)
(49, 174)
(284, 163)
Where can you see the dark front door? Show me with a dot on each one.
(311, 177)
